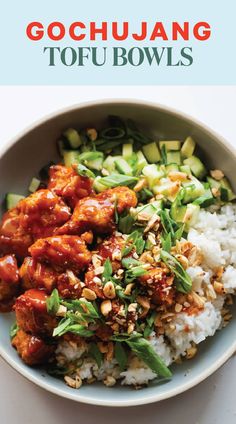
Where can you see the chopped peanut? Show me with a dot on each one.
(140, 184)
(89, 294)
(218, 287)
(128, 289)
(75, 383)
(106, 307)
(217, 174)
(109, 381)
(178, 307)
(109, 290)
(183, 260)
(197, 300)
(177, 176)
(92, 134)
(191, 352)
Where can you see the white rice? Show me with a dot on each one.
(215, 235)
(191, 329)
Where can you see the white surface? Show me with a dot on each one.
(213, 401)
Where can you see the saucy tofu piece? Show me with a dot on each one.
(97, 213)
(62, 252)
(13, 238)
(32, 349)
(42, 212)
(161, 285)
(35, 216)
(33, 274)
(66, 183)
(31, 313)
(9, 282)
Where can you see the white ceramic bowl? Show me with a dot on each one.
(28, 152)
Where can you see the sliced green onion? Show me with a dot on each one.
(121, 356)
(129, 262)
(183, 280)
(53, 302)
(112, 133)
(107, 273)
(84, 171)
(88, 156)
(95, 353)
(114, 180)
(125, 223)
(164, 154)
(143, 349)
(13, 330)
(134, 273)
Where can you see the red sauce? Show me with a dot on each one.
(8, 269)
(35, 299)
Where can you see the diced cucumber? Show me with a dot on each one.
(178, 211)
(71, 157)
(98, 187)
(231, 196)
(196, 166)
(127, 150)
(141, 162)
(167, 188)
(173, 156)
(191, 215)
(73, 138)
(186, 169)
(171, 167)
(123, 167)
(224, 188)
(213, 183)
(96, 164)
(170, 144)
(34, 185)
(206, 199)
(188, 147)
(12, 200)
(151, 152)
(192, 190)
(157, 204)
(149, 209)
(224, 182)
(226, 192)
(153, 174)
(109, 163)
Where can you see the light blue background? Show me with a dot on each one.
(23, 62)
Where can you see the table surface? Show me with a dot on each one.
(212, 401)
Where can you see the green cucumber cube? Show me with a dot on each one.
(196, 166)
(173, 156)
(188, 147)
(170, 144)
(151, 152)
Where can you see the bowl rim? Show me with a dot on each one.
(39, 381)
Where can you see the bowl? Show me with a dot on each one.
(35, 147)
